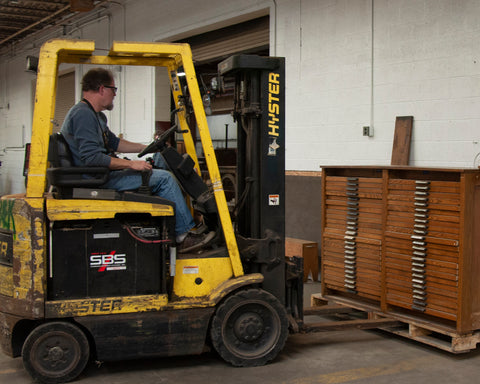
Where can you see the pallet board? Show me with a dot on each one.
(422, 331)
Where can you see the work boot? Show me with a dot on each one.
(195, 242)
(199, 229)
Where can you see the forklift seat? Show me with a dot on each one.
(64, 176)
(70, 182)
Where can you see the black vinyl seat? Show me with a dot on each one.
(85, 182)
(64, 176)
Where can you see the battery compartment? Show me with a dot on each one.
(108, 257)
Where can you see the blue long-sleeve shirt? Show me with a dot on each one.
(83, 130)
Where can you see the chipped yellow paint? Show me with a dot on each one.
(6, 280)
(198, 277)
(143, 303)
(25, 279)
(39, 284)
(105, 305)
(218, 293)
(100, 209)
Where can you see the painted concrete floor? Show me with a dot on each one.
(356, 357)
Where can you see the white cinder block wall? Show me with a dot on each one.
(350, 63)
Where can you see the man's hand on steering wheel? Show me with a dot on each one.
(158, 143)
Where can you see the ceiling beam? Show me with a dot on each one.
(39, 2)
(48, 18)
(18, 16)
(31, 26)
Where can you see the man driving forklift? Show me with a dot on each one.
(93, 144)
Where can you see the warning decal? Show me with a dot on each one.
(273, 199)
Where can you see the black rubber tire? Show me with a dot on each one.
(55, 352)
(249, 328)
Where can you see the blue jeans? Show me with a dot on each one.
(159, 161)
(162, 184)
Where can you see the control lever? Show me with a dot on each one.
(145, 188)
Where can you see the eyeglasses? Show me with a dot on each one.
(111, 87)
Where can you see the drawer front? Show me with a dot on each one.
(351, 252)
(422, 235)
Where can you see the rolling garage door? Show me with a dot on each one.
(248, 37)
(65, 98)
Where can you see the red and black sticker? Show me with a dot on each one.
(108, 261)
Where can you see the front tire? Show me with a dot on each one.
(250, 328)
(55, 352)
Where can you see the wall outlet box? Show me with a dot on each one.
(367, 131)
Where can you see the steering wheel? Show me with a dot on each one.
(159, 142)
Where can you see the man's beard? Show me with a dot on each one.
(109, 107)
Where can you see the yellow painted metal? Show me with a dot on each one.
(6, 280)
(212, 165)
(198, 277)
(105, 305)
(217, 294)
(177, 51)
(100, 209)
(128, 61)
(143, 303)
(223, 289)
(26, 280)
(45, 107)
(182, 120)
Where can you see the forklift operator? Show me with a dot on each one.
(93, 144)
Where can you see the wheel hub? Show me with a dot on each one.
(249, 327)
(55, 355)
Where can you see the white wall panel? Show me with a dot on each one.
(419, 57)
(139, 104)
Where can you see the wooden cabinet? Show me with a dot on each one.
(404, 239)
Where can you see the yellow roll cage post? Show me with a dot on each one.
(171, 56)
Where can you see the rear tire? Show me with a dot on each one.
(55, 352)
(250, 328)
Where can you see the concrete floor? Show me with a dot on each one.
(356, 357)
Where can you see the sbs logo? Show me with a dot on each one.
(108, 261)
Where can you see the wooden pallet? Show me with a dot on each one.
(435, 335)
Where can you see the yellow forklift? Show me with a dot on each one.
(91, 273)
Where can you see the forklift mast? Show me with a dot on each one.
(259, 111)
